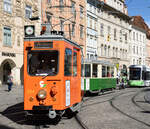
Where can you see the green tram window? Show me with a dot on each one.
(68, 62)
(87, 70)
(74, 64)
(103, 71)
(94, 73)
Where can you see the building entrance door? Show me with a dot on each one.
(6, 71)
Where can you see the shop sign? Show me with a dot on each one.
(8, 54)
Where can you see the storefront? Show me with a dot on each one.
(11, 62)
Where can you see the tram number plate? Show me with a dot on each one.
(43, 44)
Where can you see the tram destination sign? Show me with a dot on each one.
(8, 54)
(43, 44)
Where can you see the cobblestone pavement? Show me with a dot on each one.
(122, 109)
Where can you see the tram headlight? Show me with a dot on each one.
(41, 94)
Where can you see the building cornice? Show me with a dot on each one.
(105, 7)
(138, 28)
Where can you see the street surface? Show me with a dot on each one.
(120, 109)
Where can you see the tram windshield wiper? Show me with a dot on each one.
(50, 73)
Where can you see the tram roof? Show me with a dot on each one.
(103, 62)
(137, 66)
(51, 37)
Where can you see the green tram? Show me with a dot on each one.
(97, 76)
(139, 75)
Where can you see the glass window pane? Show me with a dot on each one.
(103, 71)
(68, 62)
(75, 64)
(87, 70)
(41, 63)
(7, 36)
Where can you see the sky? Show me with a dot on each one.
(139, 7)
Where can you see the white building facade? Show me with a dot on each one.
(112, 34)
(91, 32)
(138, 46)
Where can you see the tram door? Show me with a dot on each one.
(71, 73)
(6, 71)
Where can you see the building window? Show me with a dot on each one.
(105, 50)
(81, 31)
(115, 34)
(81, 12)
(102, 29)
(102, 50)
(109, 30)
(133, 49)
(73, 29)
(49, 18)
(7, 36)
(48, 1)
(62, 25)
(126, 37)
(120, 35)
(120, 53)
(61, 3)
(95, 24)
(18, 40)
(28, 11)
(116, 52)
(73, 8)
(133, 61)
(137, 36)
(91, 20)
(108, 51)
(133, 35)
(7, 6)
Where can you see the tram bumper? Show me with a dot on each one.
(41, 107)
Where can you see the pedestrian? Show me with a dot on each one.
(10, 81)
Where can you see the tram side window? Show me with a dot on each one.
(112, 72)
(94, 74)
(87, 70)
(103, 71)
(147, 77)
(74, 64)
(68, 62)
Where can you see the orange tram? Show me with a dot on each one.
(52, 74)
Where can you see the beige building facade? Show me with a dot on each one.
(14, 14)
(67, 16)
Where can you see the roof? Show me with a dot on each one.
(140, 23)
(51, 37)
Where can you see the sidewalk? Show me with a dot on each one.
(10, 98)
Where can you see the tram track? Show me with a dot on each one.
(80, 122)
(77, 117)
(133, 101)
(111, 101)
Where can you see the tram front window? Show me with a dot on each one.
(135, 74)
(43, 63)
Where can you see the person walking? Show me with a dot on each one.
(10, 81)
